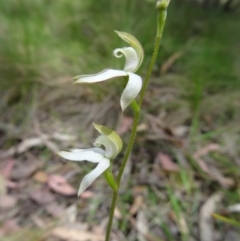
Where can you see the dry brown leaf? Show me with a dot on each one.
(47, 200)
(117, 213)
(45, 139)
(203, 165)
(205, 150)
(41, 177)
(7, 202)
(179, 131)
(138, 201)
(7, 153)
(142, 127)
(232, 235)
(215, 174)
(225, 182)
(54, 209)
(70, 215)
(206, 229)
(60, 185)
(9, 227)
(25, 169)
(7, 168)
(26, 144)
(3, 185)
(138, 190)
(166, 163)
(41, 196)
(124, 125)
(182, 223)
(147, 236)
(13, 185)
(38, 221)
(71, 234)
(142, 226)
(87, 194)
(162, 136)
(170, 61)
(98, 230)
(63, 137)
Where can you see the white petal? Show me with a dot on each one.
(95, 149)
(131, 58)
(86, 155)
(90, 178)
(77, 150)
(102, 76)
(131, 90)
(110, 148)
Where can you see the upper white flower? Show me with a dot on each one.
(134, 57)
(112, 144)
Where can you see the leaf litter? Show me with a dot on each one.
(42, 188)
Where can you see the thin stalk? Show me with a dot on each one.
(110, 220)
(162, 13)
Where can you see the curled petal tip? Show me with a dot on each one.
(135, 44)
(131, 56)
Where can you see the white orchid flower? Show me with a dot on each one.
(112, 144)
(134, 57)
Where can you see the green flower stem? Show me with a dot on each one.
(162, 13)
(111, 214)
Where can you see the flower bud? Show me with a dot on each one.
(162, 4)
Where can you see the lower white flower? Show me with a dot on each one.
(112, 146)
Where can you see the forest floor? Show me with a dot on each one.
(182, 180)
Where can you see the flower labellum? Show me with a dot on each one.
(134, 57)
(112, 144)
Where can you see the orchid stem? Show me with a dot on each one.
(111, 214)
(162, 13)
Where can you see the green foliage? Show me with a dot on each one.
(41, 40)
